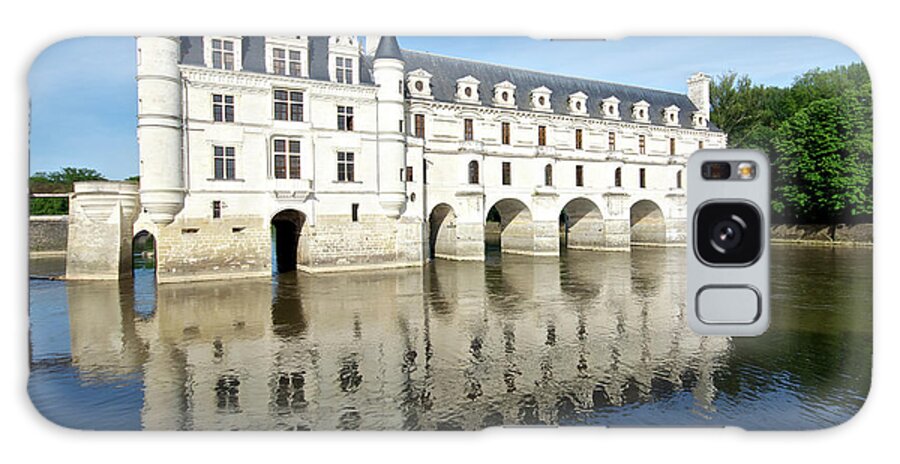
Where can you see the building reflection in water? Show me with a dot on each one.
(457, 345)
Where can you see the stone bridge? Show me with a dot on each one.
(463, 222)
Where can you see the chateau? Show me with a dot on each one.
(264, 154)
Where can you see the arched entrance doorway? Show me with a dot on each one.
(581, 226)
(442, 232)
(287, 229)
(648, 226)
(143, 252)
(509, 227)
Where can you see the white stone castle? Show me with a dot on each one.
(260, 154)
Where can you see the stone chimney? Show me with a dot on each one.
(698, 92)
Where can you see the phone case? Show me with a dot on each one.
(342, 232)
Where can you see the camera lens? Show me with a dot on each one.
(728, 233)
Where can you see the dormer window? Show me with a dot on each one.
(640, 111)
(343, 56)
(286, 56)
(467, 90)
(699, 120)
(223, 53)
(343, 70)
(505, 94)
(670, 115)
(609, 108)
(419, 83)
(578, 103)
(540, 99)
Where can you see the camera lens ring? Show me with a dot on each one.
(743, 244)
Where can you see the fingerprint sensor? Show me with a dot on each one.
(728, 304)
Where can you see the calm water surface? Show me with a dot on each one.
(590, 338)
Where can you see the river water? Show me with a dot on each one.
(588, 338)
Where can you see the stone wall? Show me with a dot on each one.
(205, 249)
(48, 234)
(336, 242)
(844, 234)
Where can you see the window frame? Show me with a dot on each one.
(506, 173)
(474, 173)
(642, 178)
(642, 144)
(468, 129)
(672, 146)
(345, 118)
(346, 166)
(612, 141)
(290, 158)
(542, 136)
(579, 175)
(419, 125)
(224, 164)
(217, 49)
(548, 175)
(220, 108)
(343, 70)
(617, 180)
(505, 133)
(579, 139)
(293, 108)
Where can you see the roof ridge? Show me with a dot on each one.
(599, 81)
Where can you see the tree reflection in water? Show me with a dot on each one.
(588, 338)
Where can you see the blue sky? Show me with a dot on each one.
(84, 99)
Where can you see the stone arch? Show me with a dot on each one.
(648, 225)
(442, 242)
(581, 225)
(510, 226)
(288, 247)
(143, 251)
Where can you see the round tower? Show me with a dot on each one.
(159, 127)
(388, 76)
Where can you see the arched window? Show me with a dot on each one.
(548, 175)
(618, 177)
(678, 180)
(473, 172)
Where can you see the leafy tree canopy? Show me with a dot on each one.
(817, 133)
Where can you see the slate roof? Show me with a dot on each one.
(446, 70)
(388, 48)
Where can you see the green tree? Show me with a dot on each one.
(822, 161)
(824, 167)
(61, 181)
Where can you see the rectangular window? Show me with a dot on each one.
(409, 174)
(578, 144)
(504, 133)
(288, 105)
(700, 145)
(286, 155)
(345, 118)
(223, 162)
(469, 133)
(672, 146)
(612, 141)
(223, 54)
(507, 174)
(279, 61)
(343, 70)
(579, 175)
(354, 212)
(217, 209)
(642, 145)
(400, 126)
(345, 166)
(223, 108)
(542, 135)
(420, 126)
(643, 179)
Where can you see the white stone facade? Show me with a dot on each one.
(239, 160)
